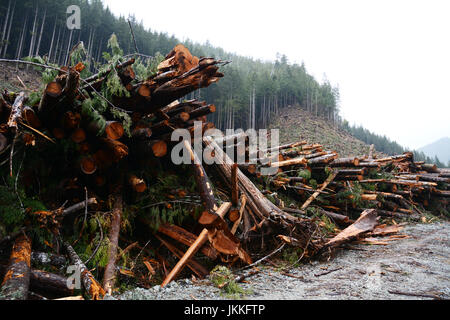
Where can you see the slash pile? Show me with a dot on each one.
(89, 185)
(396, 186)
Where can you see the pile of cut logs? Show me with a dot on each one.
(396, 186)
(100, 155)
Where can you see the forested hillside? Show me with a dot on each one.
(247, 96)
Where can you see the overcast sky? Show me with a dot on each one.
(391, 59)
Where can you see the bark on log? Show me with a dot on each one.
(343, 162)
(44, 259)
(45, 282)
(49, 283)
(16, 110)
(234, 185)
(52, 92)
(255, 199)
(79, 206)
(110, 270)
(92, 287)
(16, 282)
(208, 216)
(323, 159)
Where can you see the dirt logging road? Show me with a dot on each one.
(417, 267)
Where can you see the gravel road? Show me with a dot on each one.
(419, 265)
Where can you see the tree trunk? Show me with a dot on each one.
(66, 61)
(5, 26)
(40, 34)
(52, 41)
(9, 31)
(33, 34)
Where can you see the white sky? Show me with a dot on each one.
(391, 59)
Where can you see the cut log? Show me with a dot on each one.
(49, 283)
(114, 130)
(338, 218)
(201, 239)
(292, 162)
(323, 159)
(16, 110)
(349, 178)
(52, 92)
(241, 213)
(322, 187)
(208, 216)
(157, 148)
(47, 259)
(92, 287)
(79, 206)
(16, 282)
(343, 162)
(30, 117)
(231, 139)
(255, 199)
(78, 135)
(88, 165)
(110, 270)
(185, 237)
(118, 149)
(137, 184)
(192, 264)
(202, 111)
(285, 146)
(141, 133)
(366, 222)
(234, 185)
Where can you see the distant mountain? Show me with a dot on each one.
(440, 148)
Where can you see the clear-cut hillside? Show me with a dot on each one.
(297, 124)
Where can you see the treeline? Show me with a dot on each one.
(385, 145)
(248, 96)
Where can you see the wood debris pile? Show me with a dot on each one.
(94, 188)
